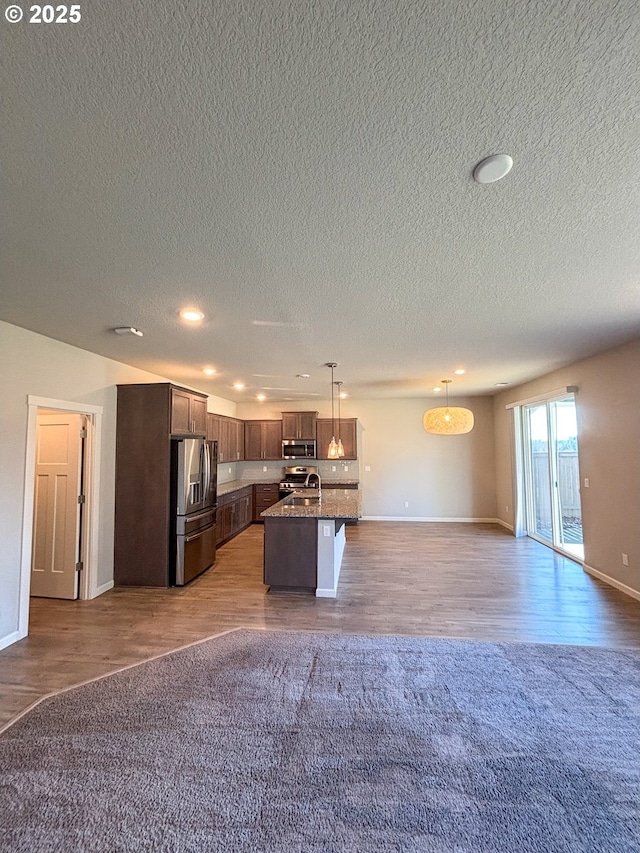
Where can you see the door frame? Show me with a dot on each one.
(527, 473)
(88, 582)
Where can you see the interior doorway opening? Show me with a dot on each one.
(88, 586)
(552, 474)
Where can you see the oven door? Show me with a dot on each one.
(195, 546)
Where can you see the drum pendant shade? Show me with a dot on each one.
(448, 420)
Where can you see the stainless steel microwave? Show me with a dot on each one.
(297, 449)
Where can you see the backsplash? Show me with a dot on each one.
(228, 471)
(273, 474)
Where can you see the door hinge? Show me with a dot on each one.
(79, 566)
(81, 499)
(83, 432)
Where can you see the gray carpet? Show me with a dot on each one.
(267, 741)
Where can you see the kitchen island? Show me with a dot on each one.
(304, 540)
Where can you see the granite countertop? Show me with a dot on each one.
(235, 485)
(333, 503)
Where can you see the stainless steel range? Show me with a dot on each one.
(297, 477)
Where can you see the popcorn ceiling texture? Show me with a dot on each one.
(310, 164)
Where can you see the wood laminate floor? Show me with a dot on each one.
(439, 580)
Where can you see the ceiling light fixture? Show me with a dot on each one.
(437, 390)
(492, 168)
(340, 447)
(239, 386)
(127, 330)
(192, 315)
(332, 452)
(500, 384)
(209, 370)
(261, 397)
(302, 375)
(448, 420)
(460, 371)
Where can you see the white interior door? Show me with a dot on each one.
(56, 517)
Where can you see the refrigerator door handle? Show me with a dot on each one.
(206, 473)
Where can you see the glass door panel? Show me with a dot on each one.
(564, 430)
(540, 509)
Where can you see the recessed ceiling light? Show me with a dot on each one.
(436, 389)
(127, 330)
(239, 386)
(261, 397)
(192, 315)
(500, 384)
(209, 371)
(302, 375)
(492, 168)
(459, 371)
(343, 395)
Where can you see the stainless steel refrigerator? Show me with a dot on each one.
(194, 501)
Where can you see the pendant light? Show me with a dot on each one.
(340, 447)
(448, 420)
(332, 452)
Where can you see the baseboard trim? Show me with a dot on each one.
(628, 590)
(10, 639)
(426, 519)
(504, 524)
(105, 587)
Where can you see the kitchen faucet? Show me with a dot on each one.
(307, 482)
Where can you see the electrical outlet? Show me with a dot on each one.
(625, 559)
(333, 467)
(229, 470)
(406, 504)
(326, 530)
(264, 467)
(586, 482)
(367, 467)
(346, 467)
(506, 509)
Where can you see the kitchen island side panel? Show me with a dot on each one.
(291, 552)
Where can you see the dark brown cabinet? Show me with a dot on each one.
(299, 425)
(188, 412)
(264, 496)
(235, 512)
(346, 430)
(262, 440)
(147, 416)
(229, 433)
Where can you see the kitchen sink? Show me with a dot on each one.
(299, 501)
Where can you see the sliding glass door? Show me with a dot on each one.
(552, 482)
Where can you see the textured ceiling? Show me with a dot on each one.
(308, 166)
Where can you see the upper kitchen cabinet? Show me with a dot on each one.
(262, 440)
(188, 412)
(345, 429)
(229, 433)
(299, 425)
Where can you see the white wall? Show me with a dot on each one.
(31, 364)
(439, 476)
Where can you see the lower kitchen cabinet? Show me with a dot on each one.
(264, 496)
(235, 512)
